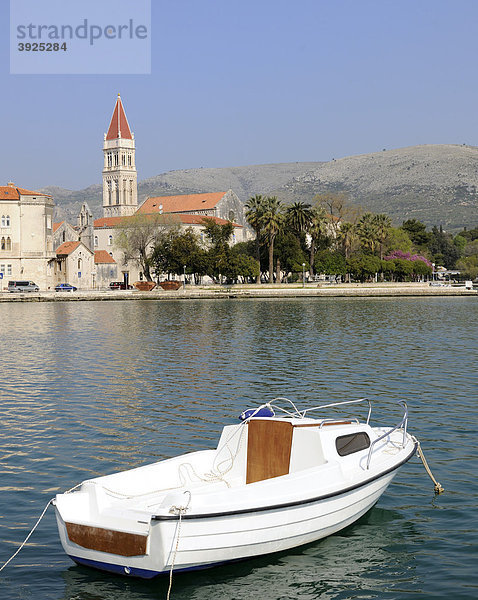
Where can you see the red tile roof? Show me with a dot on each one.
(67, 248)
(56, 225)
(107, 221)
(12, 192)
(185, 219)
(119, 127)
(101, 256)
(184, 203)
(24, 192)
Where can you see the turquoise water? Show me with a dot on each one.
(92, 388)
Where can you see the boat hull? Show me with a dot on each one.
(208, 541)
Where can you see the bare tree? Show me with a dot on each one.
(137, 235)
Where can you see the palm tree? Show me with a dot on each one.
(318, 228)
(382, 223)
(345, 237)
(254, 211)
(271, 221)
(299, 216)
(368, 232)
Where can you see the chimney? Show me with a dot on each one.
(11, 184)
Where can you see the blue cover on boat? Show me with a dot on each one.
(265, 411)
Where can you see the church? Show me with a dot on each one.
(32, 247)
(120, 199)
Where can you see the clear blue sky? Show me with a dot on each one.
(238, 82)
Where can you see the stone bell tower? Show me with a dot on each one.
(120, 179)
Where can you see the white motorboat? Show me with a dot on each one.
(278, 479)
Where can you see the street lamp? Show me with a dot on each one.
(184, 280)
(303, 274)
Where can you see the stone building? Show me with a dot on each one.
(84, 226)
(26, 236)
(74, 264)
(106, 270)
(63, 232)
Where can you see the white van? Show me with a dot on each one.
(22, 286)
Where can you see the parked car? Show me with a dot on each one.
(120, 285)
(65, 287)
(22, 286)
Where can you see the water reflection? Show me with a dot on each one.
(91, 388)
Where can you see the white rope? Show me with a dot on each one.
(180, 510)
(28, 536)
(438, 487)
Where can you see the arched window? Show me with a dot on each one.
(4, 221)
(2, 244)
(7, 221)
(79, 264)
(8, 244)
(110, 240)
(63, 237)
(96, 240)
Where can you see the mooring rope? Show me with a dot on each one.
(438, 487)
(177, 510)
(28, 536)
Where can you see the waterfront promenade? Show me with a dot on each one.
(312, 290)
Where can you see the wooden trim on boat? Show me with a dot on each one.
(268, 449)
(288, 504)
(107, 540)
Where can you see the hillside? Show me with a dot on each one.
(245, 181)
(437, 184)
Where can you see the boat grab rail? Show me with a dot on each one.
(303, 413)
(402, 424)
(331, 421)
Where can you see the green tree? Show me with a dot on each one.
(468, 267)
(398, 239)
(363, 266)
(240, 265)
(254, 212)
(289, 253)
(176, 250)
(460, 242)
(417, 232)
(218, 236)
(442, 248)
(330, 263)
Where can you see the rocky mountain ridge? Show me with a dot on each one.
(437, 184)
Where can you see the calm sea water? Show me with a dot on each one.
(92, 388)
